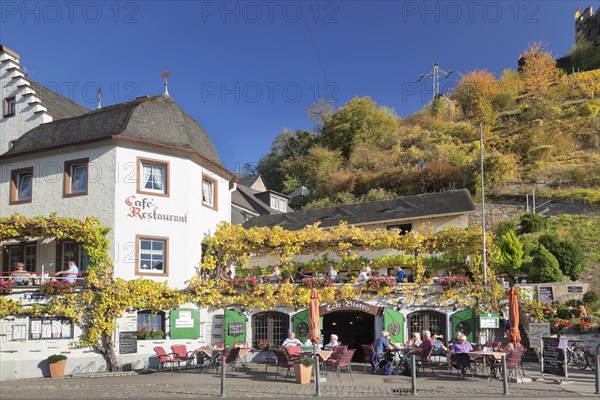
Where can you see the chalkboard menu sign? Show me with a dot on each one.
(554, 357)
(575, 289)
(236, 329)
(546, 295)
(128, 342)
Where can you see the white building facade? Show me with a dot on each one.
(145, 168)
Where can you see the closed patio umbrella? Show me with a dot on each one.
(314, 332)
(514, 336)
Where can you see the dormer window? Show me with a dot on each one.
(10, 106)
(278, 203)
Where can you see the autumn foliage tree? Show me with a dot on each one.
(475, 93)
(539, 71)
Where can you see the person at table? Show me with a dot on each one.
(71, 273)
(459, 354)
(413, 342)
(331, 273)
(275, 277)
(364, 274)
(439, 349)
(225, 274)
(291, 341)
(332, 343)
(400, 275)
(19, 275)
(300, 275)
(381, 346)
(425, 344)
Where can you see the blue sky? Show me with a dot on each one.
(247, 69)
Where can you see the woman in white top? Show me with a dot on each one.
(334, 342)
(364, 275)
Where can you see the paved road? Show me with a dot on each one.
(253, 382)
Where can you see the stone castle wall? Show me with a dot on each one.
(587, 27)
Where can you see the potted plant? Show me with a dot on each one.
(57, 363)
(303, 369)
(285, 275)
(583, 326)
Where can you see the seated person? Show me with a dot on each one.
(20, 276)
(71, 273)
(275, 277)
(400, 274)
(334, 342)
(291, 341)
(225, 275)
(300, 275)
(414, 342)
(364, 274)
(381, 346)
(439, 349)
(459, 354)
(425, 344)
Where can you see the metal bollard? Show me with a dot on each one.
(223, 373)
(504, 376)
(597, 374)
(413, 374)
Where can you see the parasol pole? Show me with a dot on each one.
(317, 374)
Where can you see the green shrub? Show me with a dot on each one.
(549, 241)
(563, 312)
(56, 358)
(504, 227)
(531, 222)
(588, 109)
(590, 297)
(306, 361)
(545, 268)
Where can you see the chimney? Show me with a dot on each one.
(13, 54)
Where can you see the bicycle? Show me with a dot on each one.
(576, 355)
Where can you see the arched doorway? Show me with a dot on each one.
(353, 329)
(433, 321)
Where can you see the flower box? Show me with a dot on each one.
(454, 281)
(316, 282)
(377, 282)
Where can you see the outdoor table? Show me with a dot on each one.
(324, 354)
(485, 356)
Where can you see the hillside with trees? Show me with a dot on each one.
(540, 126)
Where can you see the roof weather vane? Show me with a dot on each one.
(165, 75)
(99, 98)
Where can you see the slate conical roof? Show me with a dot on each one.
(155, 120)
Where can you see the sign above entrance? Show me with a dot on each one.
(350, 305)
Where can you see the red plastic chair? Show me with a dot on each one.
(282, 362)
(164, 359)
(293, 352)
(188, 357)
(344, 361)
(368, 351)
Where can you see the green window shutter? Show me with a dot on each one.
(183, 328)
(235, 327)
(300, 325)
(464, 321)
(393, 322)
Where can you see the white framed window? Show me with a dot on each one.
(209, 192)
(76, 177)
(151, 255)
(153, 177)
(279, 203)
(21, 188)
(50, 328)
